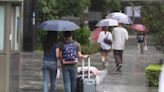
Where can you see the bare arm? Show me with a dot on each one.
(79, 52)
(126, 35)
(81, 55)
(145, 40)
(60, 57)
(57, 53)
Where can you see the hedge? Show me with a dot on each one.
(152, 74)
(94, 48)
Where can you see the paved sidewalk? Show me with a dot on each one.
(131, 79)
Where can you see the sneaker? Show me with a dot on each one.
(116, 65)
(119, 67)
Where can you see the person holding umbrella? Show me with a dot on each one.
(52, 52)
(120, 35)
(49, 62)
(141, 39)
(105, 38)
(104, 47)
(102, 23)
(141, 36)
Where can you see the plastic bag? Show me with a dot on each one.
(58, 73)
(145, 48)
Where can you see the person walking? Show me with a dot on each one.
(49, 63)
(69, 52)
(141, 40)
(120, 35)
(105, 48)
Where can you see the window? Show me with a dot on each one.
(2, 27)
(17, 27)
(134, 11)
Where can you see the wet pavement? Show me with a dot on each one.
(130, 79)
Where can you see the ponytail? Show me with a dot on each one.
(104, 28)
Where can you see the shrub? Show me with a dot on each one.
(40, 38)
(82, 36)
(152, 74)
(154, 21)
(90, 49)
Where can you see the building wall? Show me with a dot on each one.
(11, 27)
(2, 72)
(11, 0)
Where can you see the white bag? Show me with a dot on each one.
(145, 48)
(58, 73)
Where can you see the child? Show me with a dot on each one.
(141, 39)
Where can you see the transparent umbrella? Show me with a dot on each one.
(121, 17)
(107, 22)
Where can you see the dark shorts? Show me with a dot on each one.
(105, 51)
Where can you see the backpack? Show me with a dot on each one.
(69, 53)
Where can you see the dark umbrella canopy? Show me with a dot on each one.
(58, 25)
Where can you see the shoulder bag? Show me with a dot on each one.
(107, 41)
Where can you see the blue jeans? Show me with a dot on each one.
(69, 78)
(49, 70)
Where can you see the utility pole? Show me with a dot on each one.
(28, 28)
(86, 15)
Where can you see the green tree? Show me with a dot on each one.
(71, 7)
(54, 9)
(153, 13)
(82, 36)
(105, 6)
(47, 9)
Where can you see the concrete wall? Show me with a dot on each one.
(2, 72)
(10, 58)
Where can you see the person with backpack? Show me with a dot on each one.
(69, 53)
(49, 62)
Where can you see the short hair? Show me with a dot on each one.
(120, 23)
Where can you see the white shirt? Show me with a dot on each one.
(101, 37)
(119, 34)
